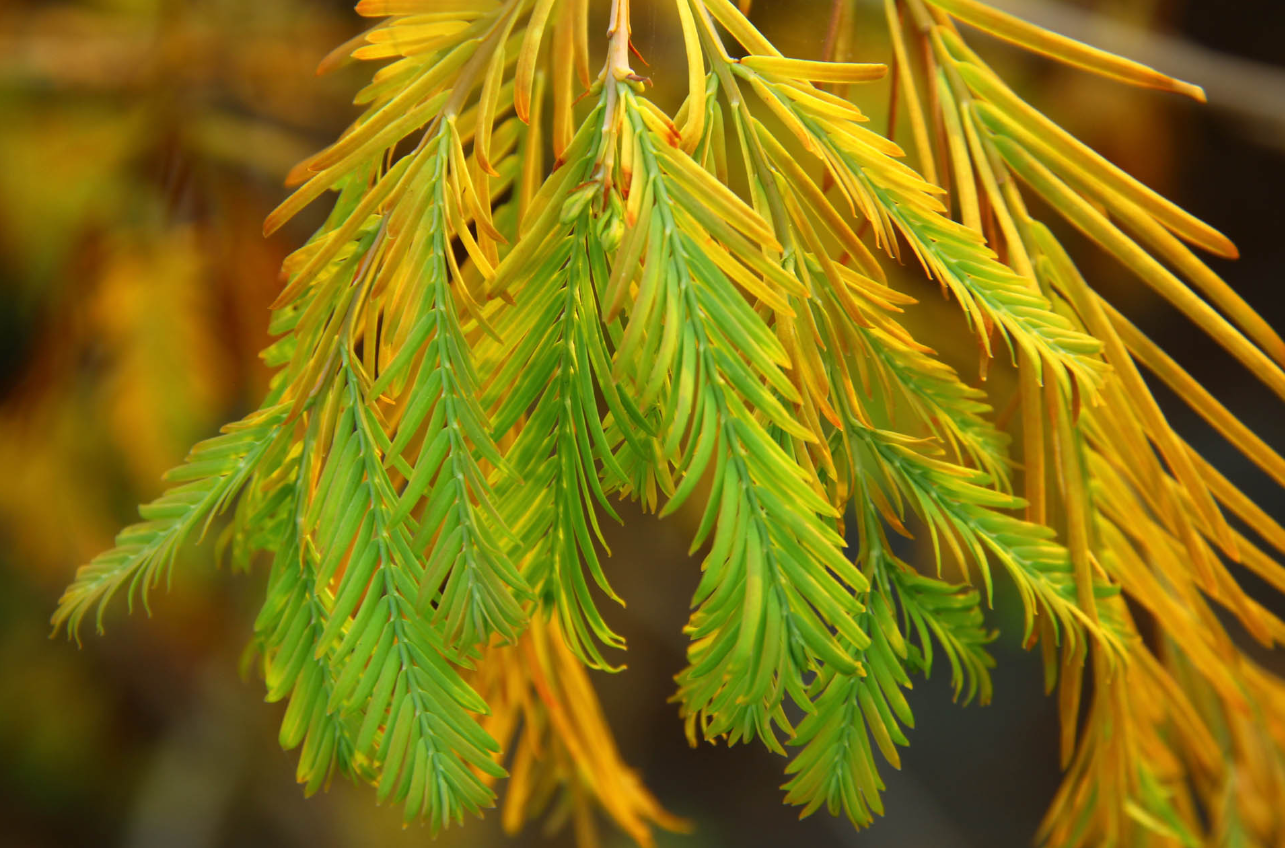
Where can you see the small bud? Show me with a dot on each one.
(610, 231)
(576, 203)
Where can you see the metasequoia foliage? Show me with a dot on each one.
(537, 290)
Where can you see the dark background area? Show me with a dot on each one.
(148, 736)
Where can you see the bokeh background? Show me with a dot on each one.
(141, 144)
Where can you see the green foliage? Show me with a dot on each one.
(214, 474)
(479, 347)
(835, 766)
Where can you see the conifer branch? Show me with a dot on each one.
(479, 346)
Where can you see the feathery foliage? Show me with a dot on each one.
(537, 289)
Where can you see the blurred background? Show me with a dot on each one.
(141, 144)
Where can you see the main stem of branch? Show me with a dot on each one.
(619, 32)
(615, 72)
